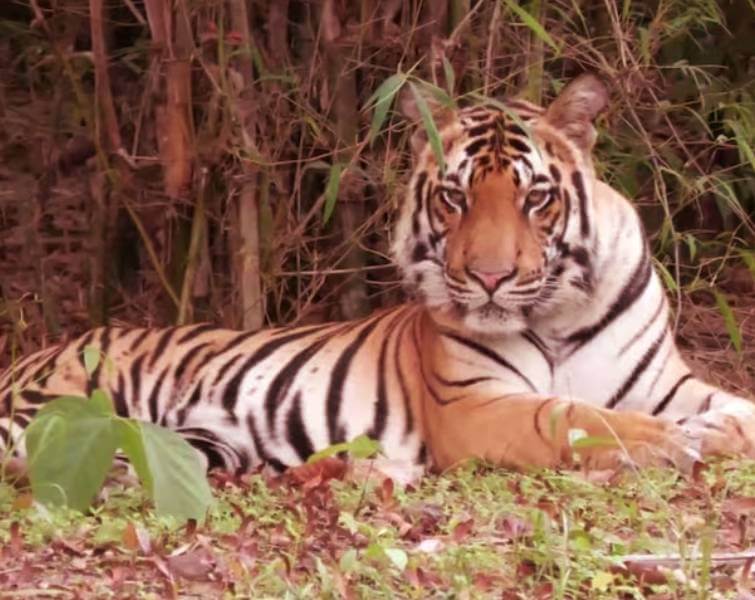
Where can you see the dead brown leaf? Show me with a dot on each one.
(195, 564)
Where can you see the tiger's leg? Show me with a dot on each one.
(529, 430)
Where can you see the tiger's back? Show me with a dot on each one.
(229, 392)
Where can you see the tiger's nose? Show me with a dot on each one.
(490, 280)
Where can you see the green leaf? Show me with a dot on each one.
(71, 444)
(363, 446)
(331, 191)
(348, 562)
(91, 358)
(748, 257)
(383, 98)
(101, 402)
(178, 481)
(398, 557)
(433, 135)
(730, 321)
(132, 444)
(593, 441)
(667, 277)
(532, 24)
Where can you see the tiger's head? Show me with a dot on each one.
(502, 234)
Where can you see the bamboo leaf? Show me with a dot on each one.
(382, 99)
(433, 135)
(730, 321)
(331, 191)
(532, 24)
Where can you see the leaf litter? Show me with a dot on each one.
(348, 530)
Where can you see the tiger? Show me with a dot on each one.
(534, 317)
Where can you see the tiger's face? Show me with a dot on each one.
(501, 235)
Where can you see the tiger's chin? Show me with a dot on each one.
(489, 320)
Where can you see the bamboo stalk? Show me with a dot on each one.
(248, 252)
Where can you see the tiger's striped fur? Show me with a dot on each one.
(538, 312)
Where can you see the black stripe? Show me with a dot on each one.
(705, 406)
(474, 147)
(409, 425)
(224, 369)
(259, 446)
(152, 403)
(83, 343)
(488, 353)
(119, 397)
(102, 346)
(279, 386)
(481, 129)
(460, 382)
(231, 392)
(42, 374)
(135, 372)
(579, 186)
(381, 394)
(139, 339)
(645, 327)
(196, 330)
(638, 370)
(296, 432)
(628, 295)
(194, 399)
(540, 346)
(186, 359)
(518, 145)
(418, 201)
(162, 344)
(670, 396)
(338, 376)
(36, 397)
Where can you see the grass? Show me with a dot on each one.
(477, 532)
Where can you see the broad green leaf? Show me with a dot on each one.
(331, 191)
(132, 444)
(730, 321)
(71, 444)
(383, 98)
(101, 402)
(179, 483)
(91, 358)
(433, 135)
(532, 24)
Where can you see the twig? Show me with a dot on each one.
(676, 560)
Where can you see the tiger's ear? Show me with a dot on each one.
(575, 109)
(408, 107)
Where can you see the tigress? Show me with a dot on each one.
(537, 314)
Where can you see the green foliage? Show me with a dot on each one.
(433, 135)
(72, 442)
(361, 446)
(331, 191)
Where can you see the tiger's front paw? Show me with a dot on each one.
(723, 434)
(669, 445)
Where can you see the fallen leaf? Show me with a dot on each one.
(195, 564)
(311, 475)
(462, 530)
